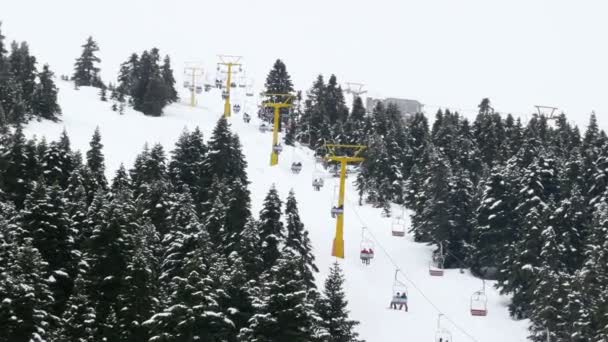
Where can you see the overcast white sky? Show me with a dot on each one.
(440, 52)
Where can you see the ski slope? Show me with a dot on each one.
(368, 288)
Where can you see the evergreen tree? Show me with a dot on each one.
(77, 322)
(95, 162)
(271, 228)
(26, 299)
(45, 220)
(333, 312)
(86, 72)
(298, 240)
(185, 168)
(44, 101)
(278, 80)
(169, 80)
(57, 162)
(284, 312)
(128, 75)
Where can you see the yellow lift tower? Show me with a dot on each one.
(335, 152)
(194, 72)
(229, 62)
(277, 101)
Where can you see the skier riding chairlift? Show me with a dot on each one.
(296, 167)
(278, 148)
(335, 211)
(246, 117)
(236, 108)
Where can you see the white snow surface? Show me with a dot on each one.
(368, 288)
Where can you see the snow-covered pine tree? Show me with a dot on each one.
(139, 298)
(495, 224)
(78, 320)
(271, 228)
(332, 309)
(46, 222)
(25, 313)
(96, 161)
(57, 162)
(283, 309)
(169, 80)
(86, 72)
(185, 168)
(297, 239)
(44, 98)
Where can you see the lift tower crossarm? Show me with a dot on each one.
(338, 245)
(194, 71)
(229, 61)
(274, 102)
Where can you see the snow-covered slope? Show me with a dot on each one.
(368, 288)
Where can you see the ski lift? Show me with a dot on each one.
(335, 211)
(367, 248)
(263, 127)
(398, 226)
(249, 94)
(207, 87)
(224, 94)
(399, 294)
(479, 302)
(199, 89)
(296, 167)
(436, 264)
(317, 183)
(233, 85)
(246, 118)
(236, 108)
(278, 148)
(442, 334)
(218, 83)
(186, 84)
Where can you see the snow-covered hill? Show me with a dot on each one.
(368, 288)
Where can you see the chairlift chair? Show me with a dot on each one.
(335, 211)
(263, 127)
(367, 248)
(246, 117)
(398, 226)
(233, 85)
(278, 148)
(442, 334)
(436, 268)
(224, 94)
(236, 108)
(437, 262)
(207, 87)
(186, 84)
(479, 304)
(199, 89)
(399, 289)
(296, 167)
(249, 94)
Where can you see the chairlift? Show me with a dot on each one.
(367, 248)
(436, 264)
(398, 226)
(218, 83)
(263, 127)
(246, 118)
(224, 94)
(186, 84)
(296, 167)
(249, 94)
(479, 302)
(199, 89)
(207, 87)
(233, 85)
(278, 148)
(335, 211)
(399, 295)
(236, 108)
(442, 334)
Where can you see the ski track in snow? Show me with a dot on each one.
(368, 288)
